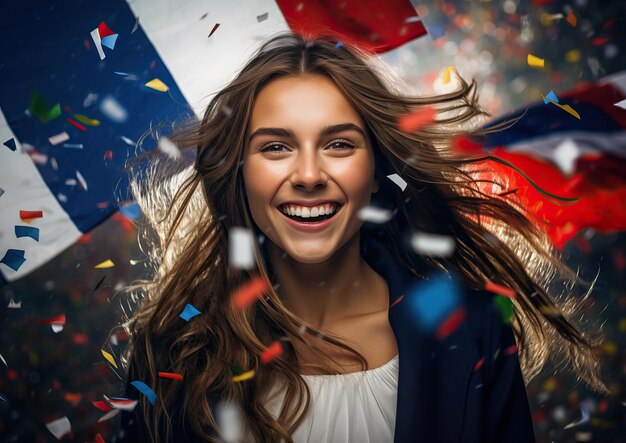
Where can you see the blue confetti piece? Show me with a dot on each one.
(27, 231)
(10, 143)
(120, 73)
(14, 258)
(437, 31)
(189, 312)
(145, 390)
(131, 211)
(339, 44)
(109, 41)
(432, 301)
(552, 96)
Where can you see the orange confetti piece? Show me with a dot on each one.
(72, 397)
(274, 350)
(172, 375)
(571, 19)
(500, 290)
(245, 376)
(535, 62)
(418, 119)
(27, 216)
(246, 295)
(450, 324)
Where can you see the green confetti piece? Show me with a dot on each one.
(505, 307)
(40, 109)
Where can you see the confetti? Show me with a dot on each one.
(479, 364)
(102, 405)
(261, 18)
(10, 143)
(573, 56)
(109, 415)
(27, 216)
(584, 418)
(446, 75)
(229, 422)
(504, 305)
(413, 19)
(157, 85)
(432, 244)
(171, 375)
(110, 107)
(550, 97)
(73, 145)
(571, 19)
(145, 390)
(399, 181)
(339, 44)
(241, 248)
(217, 25)
(59, 138)
(105, 264)
(128, 141)
(169, 148)
(109, 358)
(98, 437)
(14, 305)
(274, 350)
(396, 301)
(86, 120)
(13, 258)
(417, 120)
(75, 123)
(27, 231)
(103, 36)
(59, 427)
(621, 104)
(40, 109)
(4, 361)
(566, 108)
(245, 376)
(248, 293)
(511, 350)
(535, 62)
(124, 404)
(58, 320)
(432, 301)
(499, 289)
(373, 214)
(189, 312)
(450, 324)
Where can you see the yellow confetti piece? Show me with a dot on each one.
(244, 376)
(446, 75)
(622, 325)
(157, 85)
(105, 264)
(86, 120)
(609, 347)
(109, 357)
(572, 56)
(566, 108)
(535, 62)
(549, 385)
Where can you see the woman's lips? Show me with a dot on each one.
(311, 227)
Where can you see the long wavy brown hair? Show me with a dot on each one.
(191, 202)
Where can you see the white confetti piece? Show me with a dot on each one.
(374, 215)
(4, 361)
(241, 248)
(59, 427)
(14, 305)
(413, 19)
(229, 422)
(398, 181)
(565, 155)
(621, 104)
(109, 415)
(40, 159)
(57, 328)
(583, 419)
(59, 138)
(432, 244)
(95, 35)
(128, 141)
(110, 107)
(169, 148)
(81, 179)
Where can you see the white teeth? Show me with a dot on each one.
(306, 212)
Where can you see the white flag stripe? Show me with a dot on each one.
(25, 190)
(200, 65)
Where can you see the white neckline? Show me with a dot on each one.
(367, 371)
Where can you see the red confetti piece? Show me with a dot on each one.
(273, 351)
(30, 215)
(73, 397)
(246, 295)
(102, 405)
(171, 375)
(398, 300)
(599, 41)
(99, 439)
(58, 320)
(108, 155)
(75, 123)
(500, 290)
(417, 120)
(510, 350)
(479, 364)
(450, 324)
(217, 25)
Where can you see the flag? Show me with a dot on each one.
(81, 81)
(572, 145)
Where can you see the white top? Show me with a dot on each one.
(354, 407)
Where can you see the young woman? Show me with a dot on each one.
(382, 339)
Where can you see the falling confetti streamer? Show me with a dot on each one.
(189, 312)
(373, 214)
(145, 390)
(399, 181)
(172, 375)
(217, 25)
(250, 292)
(81, 180)
(499, 289)
(273, 351)
(244, 376)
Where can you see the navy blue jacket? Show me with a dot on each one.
(445, 393)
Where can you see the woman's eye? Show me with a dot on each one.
(266, 148)
(341, 144)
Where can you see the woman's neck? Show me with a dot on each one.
(324, 293)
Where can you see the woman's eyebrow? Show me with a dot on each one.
(326, 130)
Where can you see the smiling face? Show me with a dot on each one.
(306, 143)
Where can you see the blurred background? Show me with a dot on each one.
(48, 374)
